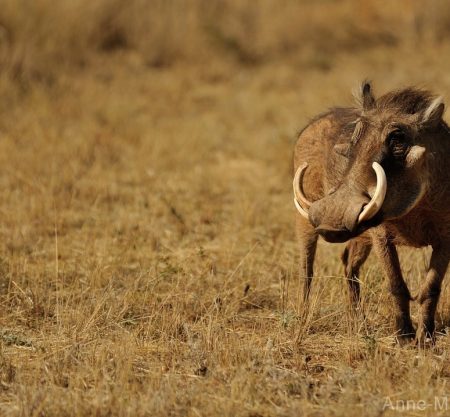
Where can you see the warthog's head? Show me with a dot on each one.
(380, 168)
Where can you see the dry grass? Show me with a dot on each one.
(148, 260)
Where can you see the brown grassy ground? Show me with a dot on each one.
(148, 259)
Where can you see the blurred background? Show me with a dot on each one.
(42, 38)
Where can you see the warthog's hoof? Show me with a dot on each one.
(405, 339)
(406, 332)
(425, 338)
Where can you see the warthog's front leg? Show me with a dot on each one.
(307, 238)
(388, 256)
(429, 293)
(354, 256)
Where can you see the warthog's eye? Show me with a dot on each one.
(398, 143)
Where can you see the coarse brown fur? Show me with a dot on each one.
(403, 131)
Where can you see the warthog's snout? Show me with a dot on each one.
(335, 217)
(345, 212)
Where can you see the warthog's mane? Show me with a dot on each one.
(409, 100)
(354, 120)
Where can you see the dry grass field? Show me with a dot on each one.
(147, 252)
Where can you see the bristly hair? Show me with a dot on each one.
(410, 100)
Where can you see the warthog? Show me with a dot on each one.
(376, 175)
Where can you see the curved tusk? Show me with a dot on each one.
(374, 206)
(301, 202)
(300, 209)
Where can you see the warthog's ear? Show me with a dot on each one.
(365, 97)
(432, 115)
